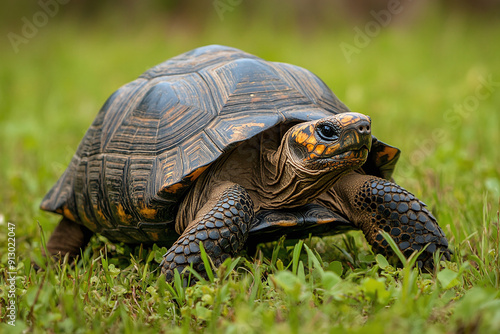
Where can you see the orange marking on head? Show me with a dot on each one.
(301, 137)
(310, 147)
(312, 140)
(346, 119)
(320, 149)
(352, 118)
(302, 132)
(330, 150)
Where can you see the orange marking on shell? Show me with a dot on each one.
(239, 132)
(284, 223)
(148, 213)
(121, 213)
(101, 214)
(282, 96)
(154, 236)
(320, 149)
(390, 152)
(68, 214)
(174, 188)
(325, 220)
(255, 99)
(196, 173)
(90, 225)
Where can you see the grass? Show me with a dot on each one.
(426, 89)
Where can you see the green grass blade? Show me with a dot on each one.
(296, 255)
(232, 263)
(207, 262)
(394, 247)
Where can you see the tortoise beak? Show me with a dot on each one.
(359, 126)
(366, 142)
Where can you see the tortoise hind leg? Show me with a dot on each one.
(222, 225)
(375, 205)
(68, 238)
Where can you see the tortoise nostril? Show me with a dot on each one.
(363, 128)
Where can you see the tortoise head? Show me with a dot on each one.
(338, 143)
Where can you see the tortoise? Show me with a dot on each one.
(220, 147)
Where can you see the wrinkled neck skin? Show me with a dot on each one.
(270, 173)
(283, 182)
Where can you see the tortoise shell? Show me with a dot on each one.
(154, 136)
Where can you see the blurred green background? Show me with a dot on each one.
(427, 73)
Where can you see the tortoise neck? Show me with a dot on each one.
(282, 183)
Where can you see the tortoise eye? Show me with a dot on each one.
(327, 132)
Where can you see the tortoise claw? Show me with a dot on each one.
(398, 212)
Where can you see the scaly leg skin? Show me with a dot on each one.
(68, 238)
(374, 205)
(223, 229)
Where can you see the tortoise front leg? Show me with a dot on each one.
(374, 205)
(222, 227)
